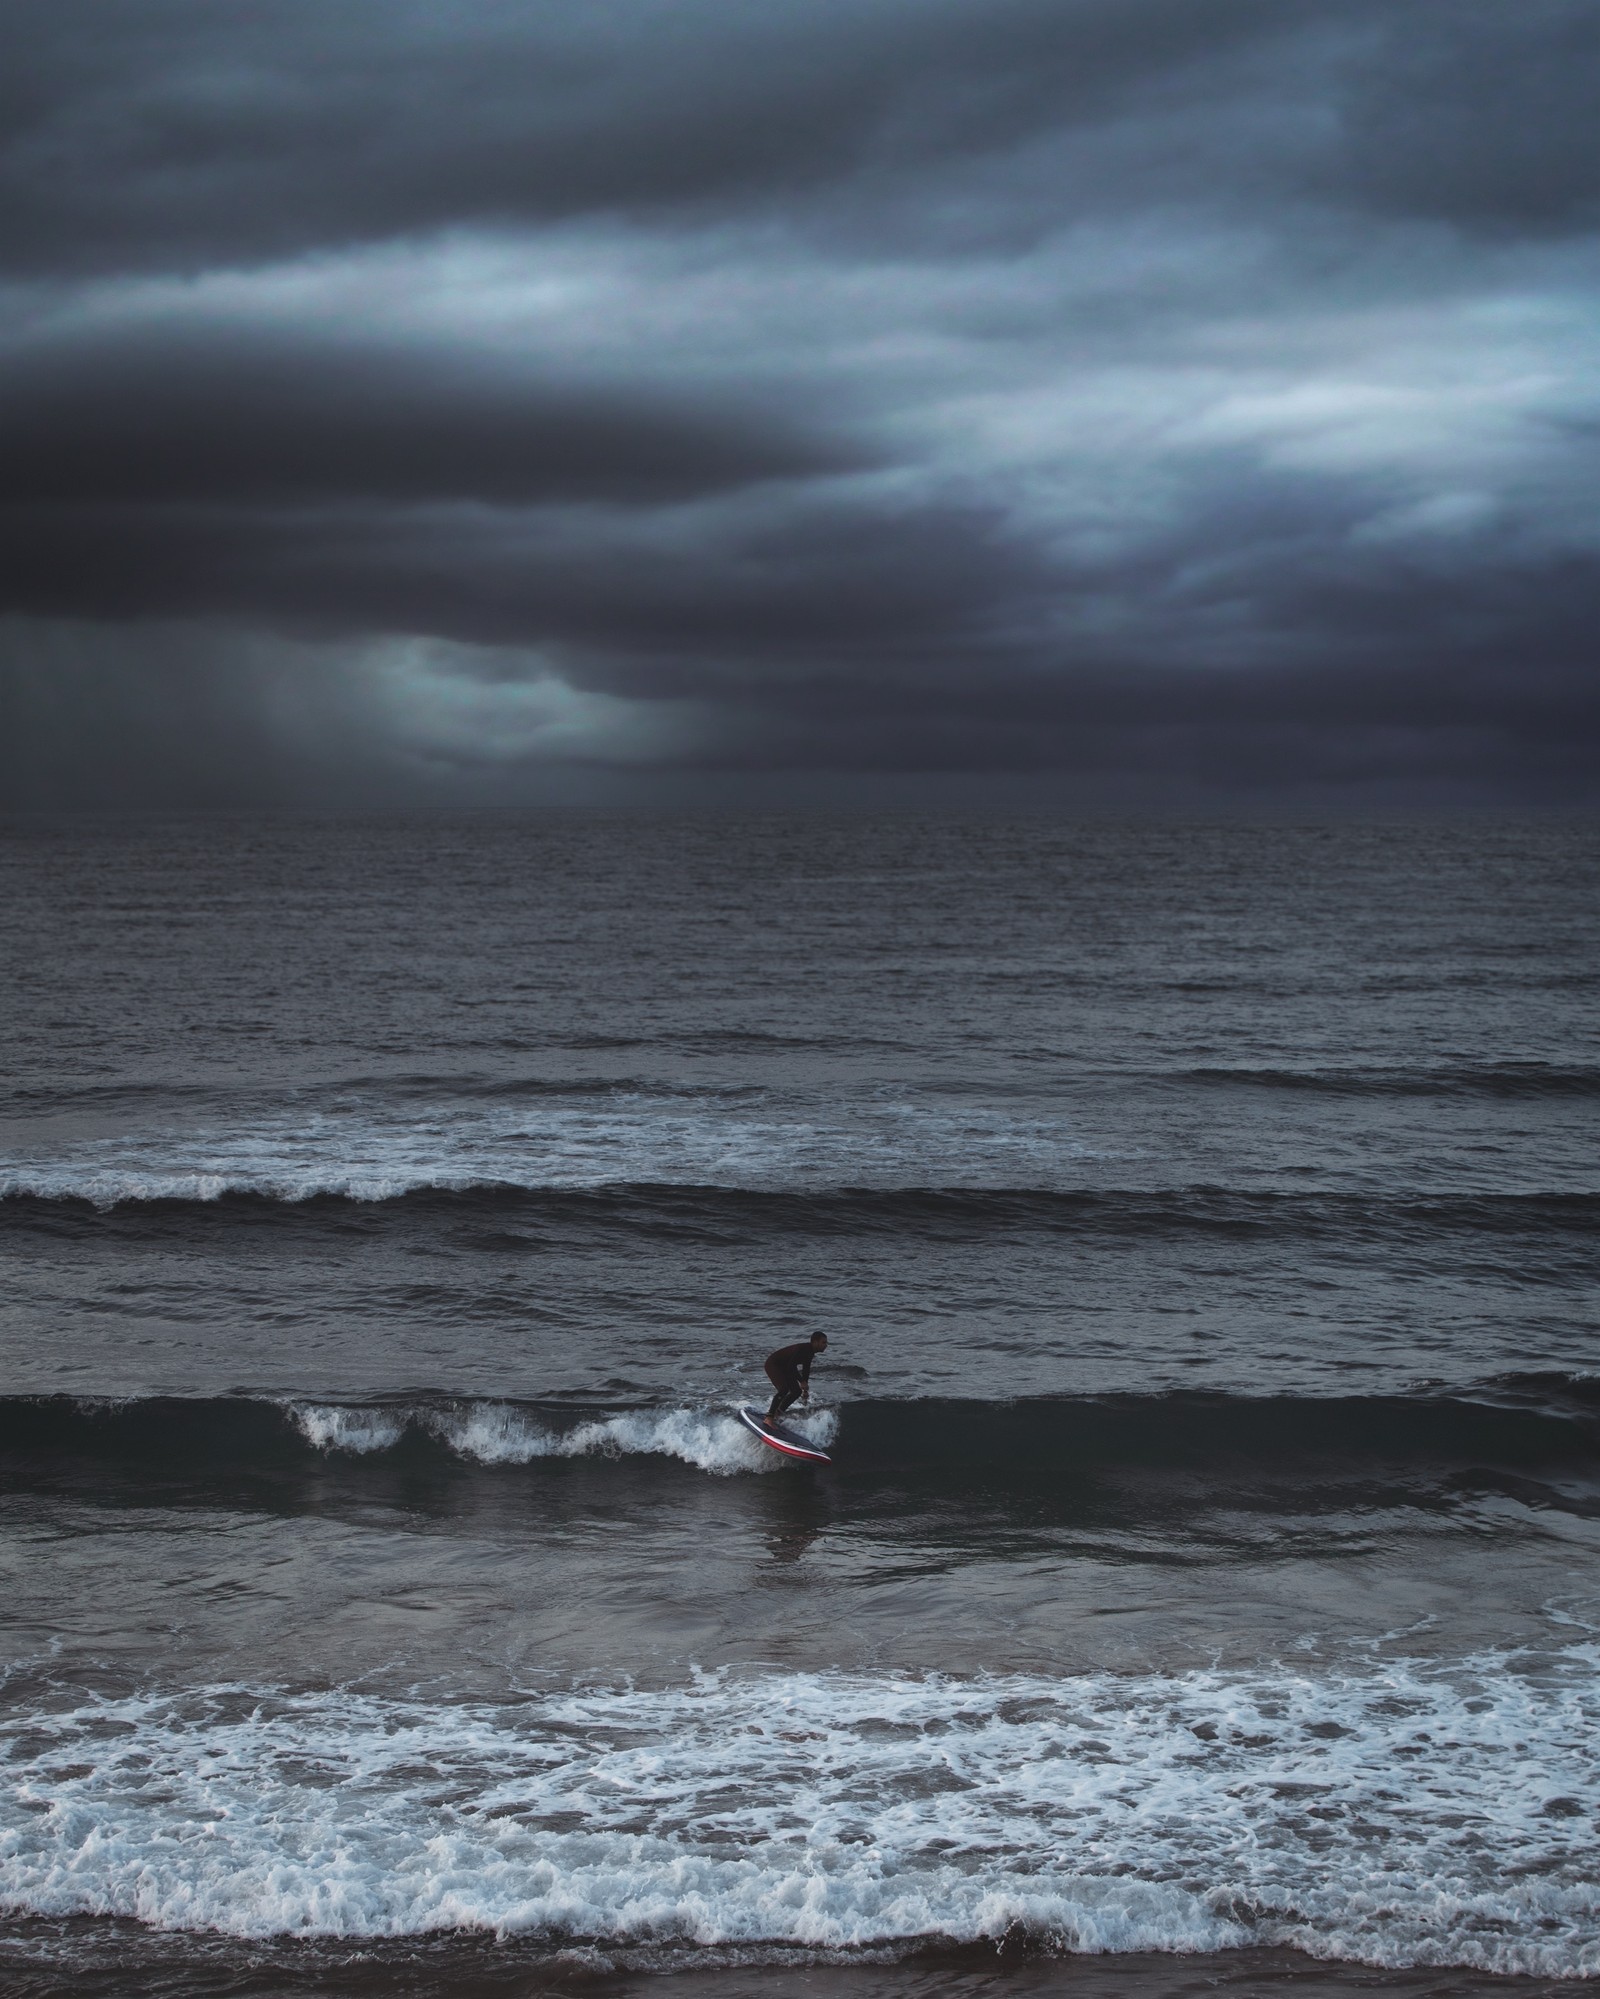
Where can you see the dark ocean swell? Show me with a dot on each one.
(954, 1213)
(1513, 1080)
(1534, 1438)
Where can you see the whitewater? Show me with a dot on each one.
(499, 1434)
(1189, 1813)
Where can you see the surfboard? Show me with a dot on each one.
(790, 1442)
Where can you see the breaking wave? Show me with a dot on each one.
(945, 1213)
(598, 1137)
(1534, 1438)
(169, 1434)
(500, 1433)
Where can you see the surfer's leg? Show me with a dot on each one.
(789, 1392)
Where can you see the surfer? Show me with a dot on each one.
(789, 1371)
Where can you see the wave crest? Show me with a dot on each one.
(499, 1433)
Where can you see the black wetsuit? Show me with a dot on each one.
(789, 1371)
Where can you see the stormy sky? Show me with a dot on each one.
(1106, 404)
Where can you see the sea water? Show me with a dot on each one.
(1203, 1220)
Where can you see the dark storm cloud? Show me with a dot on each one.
(220, 725)
(1490, 124)
(1164, 393)
(205, 416)
(178, 132)
(717, 595)
(188, 132)
(1528, 712)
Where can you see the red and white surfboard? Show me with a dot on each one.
(789, 1442)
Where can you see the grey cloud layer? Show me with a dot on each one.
(175, 132)
(1138, 389)
(180, 132)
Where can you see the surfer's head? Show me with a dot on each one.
(819, 1341)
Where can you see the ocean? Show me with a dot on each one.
(1205, 1593)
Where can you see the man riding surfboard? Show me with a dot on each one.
(789, 1371)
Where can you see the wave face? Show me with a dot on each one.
(1116, 1213)
(1538, 1435)
(1394, 1815)
(1530, 1080)
(170, 1433)
(1533, 1417)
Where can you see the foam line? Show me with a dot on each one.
(381, 1153)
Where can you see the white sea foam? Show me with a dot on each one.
(499, 1433)
(371, 1151)
(336, 1427)
(1399, 1815)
